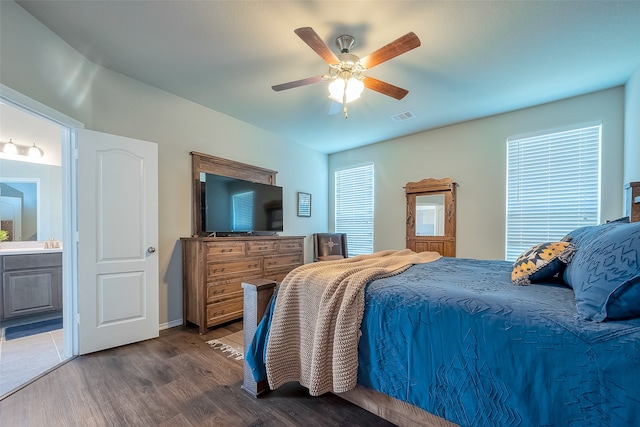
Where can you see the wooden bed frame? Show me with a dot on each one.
(257, 294)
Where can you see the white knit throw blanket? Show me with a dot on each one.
(315, 328)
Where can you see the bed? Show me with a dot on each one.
(456, 341)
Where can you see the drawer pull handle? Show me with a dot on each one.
(218, 270)
(218, 313)
(218, 291)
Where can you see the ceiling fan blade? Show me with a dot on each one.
(298, 83)
(397, 47)
(385, 88)
(314, 41)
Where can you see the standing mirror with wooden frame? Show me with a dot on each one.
(431, 216)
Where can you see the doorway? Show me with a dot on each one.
(107, 183)
(36, 310)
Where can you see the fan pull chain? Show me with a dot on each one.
(344, 101)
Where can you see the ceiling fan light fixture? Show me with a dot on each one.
(350, 87)
(346, 81)
(345, 43)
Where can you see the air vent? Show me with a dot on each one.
(401, 117)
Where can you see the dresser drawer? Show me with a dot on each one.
(225, 289)
(214, 268)
(215, 250)
(276, 275)
(223, 311)
(290, 246)
(279, 261)
(262, 247)
(243, 267)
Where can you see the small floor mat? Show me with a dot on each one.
(21, 331)
(230, 344)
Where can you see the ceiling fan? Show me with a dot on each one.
(346, 71)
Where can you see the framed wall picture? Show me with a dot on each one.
(304, 204)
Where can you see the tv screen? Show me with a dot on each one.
(232, 205)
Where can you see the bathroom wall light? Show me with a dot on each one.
(35, 151)
(10, 148)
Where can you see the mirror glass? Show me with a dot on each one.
(30, 200)
(430, 215)
(19, 210)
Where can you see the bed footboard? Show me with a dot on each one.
(257, 294)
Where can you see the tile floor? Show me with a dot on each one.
(23, 359)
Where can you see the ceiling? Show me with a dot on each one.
(477, 58)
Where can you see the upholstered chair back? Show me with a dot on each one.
(329, 246)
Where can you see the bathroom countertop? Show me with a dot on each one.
(25, 251)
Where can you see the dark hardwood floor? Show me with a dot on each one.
(174, 380)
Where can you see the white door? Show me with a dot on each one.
(117, 236)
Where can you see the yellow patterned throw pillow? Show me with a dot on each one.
(541, 262)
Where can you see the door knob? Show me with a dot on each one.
(151, 249)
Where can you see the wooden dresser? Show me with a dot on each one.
(213, 269)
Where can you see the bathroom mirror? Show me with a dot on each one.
(19, 210)
(30, 200)
(431, 216)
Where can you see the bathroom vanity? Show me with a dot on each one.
(30, 282)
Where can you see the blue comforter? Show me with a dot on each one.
(457, 339)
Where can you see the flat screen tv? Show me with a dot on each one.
(234, 206)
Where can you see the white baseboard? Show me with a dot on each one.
(171, 324)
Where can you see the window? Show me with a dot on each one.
(354, 208)
(242, 211)
(552, 186)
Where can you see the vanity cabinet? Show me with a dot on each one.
(213, 269)
(30, 284)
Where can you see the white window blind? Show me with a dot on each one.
(552, 186)
(354, 208)
(242, 204)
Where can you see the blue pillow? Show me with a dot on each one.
(605, 273)
(624, 219)
(577, 233)
(583, 235)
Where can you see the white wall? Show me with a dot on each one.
(474, 155)
(126, 107)
(632, 129)
(40, 65)
(37, 63)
